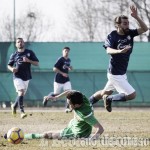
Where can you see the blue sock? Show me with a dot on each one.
(117, 97)
(20, 103)
(93, 100)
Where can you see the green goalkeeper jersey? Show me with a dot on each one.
(81, 124)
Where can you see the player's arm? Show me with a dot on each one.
(10, 64)
(35, 63)
(12, 69)
(60, 72)
(98, 132)
(60, 96)
(70, 68)
(92, 121)
(112, 51)
(142, 26)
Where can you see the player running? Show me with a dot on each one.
(61, 80)
(20, 64)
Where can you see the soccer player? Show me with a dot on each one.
(81, 125)
(119, 45)
(20, 64)
(61, 80)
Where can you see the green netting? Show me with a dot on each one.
(84, 55)
(89, 61)
(87, 82)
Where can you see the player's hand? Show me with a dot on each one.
(25, 59)
(70, 68)
(14, 70)
(128, 47)
(65, 75)
(134, 13)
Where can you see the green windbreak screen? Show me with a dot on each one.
(84, 55)
(89, 61)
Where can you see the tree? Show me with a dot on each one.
(92, 20)
(29, 25)
(85, 19)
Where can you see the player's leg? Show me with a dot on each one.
(46, 98)
(57, 90)
(21, 88)
(76, 131)
(122, 86)
(98, 96)
(108, 90)
(20, 102)
(52, 135)
(15, 104)
(65, 133)
(67, 86)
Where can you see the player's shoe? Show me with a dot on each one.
(23, 115)
(45, 101)
(5, 136)
(107, 103)
(68, 110)
(14, 112)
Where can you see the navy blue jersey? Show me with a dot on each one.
(62, 64)
(24, 68)
(118, 63)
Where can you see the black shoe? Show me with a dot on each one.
(107, 103)
(5, 136)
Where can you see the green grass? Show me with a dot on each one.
(119, 125)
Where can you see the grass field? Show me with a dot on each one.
(125, 129)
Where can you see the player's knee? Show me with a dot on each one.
(103, 92)
(134, 95)
(98, 95)
(21, 92)
(47, 135)
(131, 96)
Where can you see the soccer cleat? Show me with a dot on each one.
(45, 101)
(13, 110)
(46, 98)
(67, 110)
(107, 103)
(5, 136)
(23, 115)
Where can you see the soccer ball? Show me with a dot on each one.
(15, 135)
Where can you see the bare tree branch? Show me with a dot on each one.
(30, 26)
